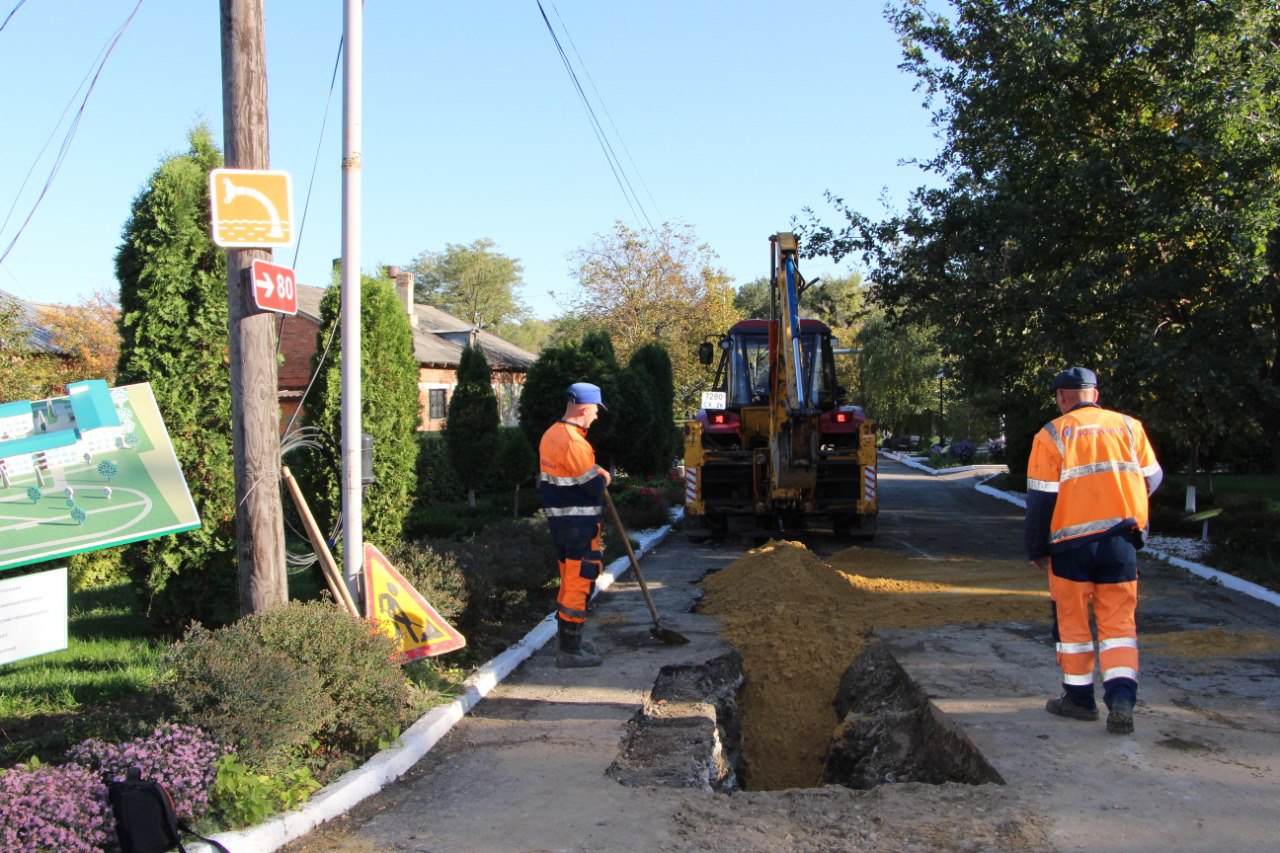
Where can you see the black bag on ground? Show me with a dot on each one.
(145, 819)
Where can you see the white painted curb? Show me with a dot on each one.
(1250, 589)
(417, 740)
(910, 462)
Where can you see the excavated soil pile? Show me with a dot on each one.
(1212, 643)
(798, 623)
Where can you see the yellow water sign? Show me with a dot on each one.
(402, 613)
(251, 208)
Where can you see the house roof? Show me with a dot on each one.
(438, 338)
(39, 336)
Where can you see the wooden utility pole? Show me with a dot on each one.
(255, 410)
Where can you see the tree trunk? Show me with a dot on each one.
(471, 497)
(515, 509)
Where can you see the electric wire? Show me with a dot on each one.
(11, 14)
(605, 107)
(337, 62)
(71, 131)
(314, 439)
(615, 165)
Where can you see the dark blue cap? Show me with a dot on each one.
(1075, 377)
(585, 392)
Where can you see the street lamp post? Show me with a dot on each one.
(941, 416)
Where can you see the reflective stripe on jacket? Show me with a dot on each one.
(569, 483)
(1088, 477)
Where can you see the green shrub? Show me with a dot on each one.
(251, 697)
(97, 569)
(300, 673)
(507, 555)
(434, 574)
(471, 430)
(437, 482)
(243, 796)
(640, 509)
(355, 663)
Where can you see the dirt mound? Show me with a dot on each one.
(799, 621)
(1211, 643)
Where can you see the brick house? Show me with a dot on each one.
(438, 340)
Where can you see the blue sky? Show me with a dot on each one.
(737, 114)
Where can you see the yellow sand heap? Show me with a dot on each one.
(799, 622)
(1211, 643)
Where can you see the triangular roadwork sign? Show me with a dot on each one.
(402, 613)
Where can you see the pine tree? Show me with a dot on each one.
(173, 301)
(472, 422)
(390, 411)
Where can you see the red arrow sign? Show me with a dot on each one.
(274, 288)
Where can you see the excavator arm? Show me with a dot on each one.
(793, 415)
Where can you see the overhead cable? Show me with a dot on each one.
(11, 14)
(605, 107)
(615, 165)
(71, 131)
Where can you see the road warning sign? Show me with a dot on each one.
(251, 208)
(403, 613)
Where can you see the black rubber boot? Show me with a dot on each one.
(569, 651)
(1120, 720)
(1063, 706)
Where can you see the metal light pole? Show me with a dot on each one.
(352, 499)
(941, 416)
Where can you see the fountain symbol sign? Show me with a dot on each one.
(251, 209)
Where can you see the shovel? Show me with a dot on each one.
(666, 635)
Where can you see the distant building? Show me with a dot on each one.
(438, 341)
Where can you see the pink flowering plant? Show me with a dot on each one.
(182, 758)
(64, 808)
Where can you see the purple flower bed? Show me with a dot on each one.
(182, 758)
(54, 808)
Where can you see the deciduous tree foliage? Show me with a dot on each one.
(658, 285)
(1107, 185)
(390, 411)
(471, 430)
(88, 335)
(898, 366)
(471, 282)
(173, 326)
(25, 374)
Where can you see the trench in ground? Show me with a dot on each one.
(688, 733)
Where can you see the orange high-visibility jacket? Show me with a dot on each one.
(1096, 463)
(569, 482)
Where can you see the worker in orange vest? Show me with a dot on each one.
(1088, 480)
(570, 485)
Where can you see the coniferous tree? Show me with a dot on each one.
(654, 455)
(471, 426)
(390, 411)
(173, 303)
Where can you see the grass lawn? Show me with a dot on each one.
(1252, 485)
(101, 684)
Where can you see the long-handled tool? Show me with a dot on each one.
(666, 635)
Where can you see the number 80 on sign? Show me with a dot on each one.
(274, 288)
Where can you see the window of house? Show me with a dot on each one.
(436, 403)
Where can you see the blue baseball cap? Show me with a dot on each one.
(585, 392)
(1075, 377)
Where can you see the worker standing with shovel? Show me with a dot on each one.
(570, 485)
